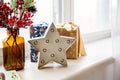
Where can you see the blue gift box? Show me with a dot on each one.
(37, 30)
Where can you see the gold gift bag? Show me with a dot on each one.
(72, 30)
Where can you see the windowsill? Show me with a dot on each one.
(99, 54)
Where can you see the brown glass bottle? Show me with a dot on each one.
(13, 50)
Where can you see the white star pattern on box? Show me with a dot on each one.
(52, 46)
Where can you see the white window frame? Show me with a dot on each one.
(68, 10)
(68, 15)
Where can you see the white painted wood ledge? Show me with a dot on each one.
(99, 56)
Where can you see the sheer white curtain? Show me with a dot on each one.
(116, 39)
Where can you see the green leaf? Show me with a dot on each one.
(29, 5)
(13, 4)
(27, 2)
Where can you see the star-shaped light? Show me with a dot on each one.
(52, 46)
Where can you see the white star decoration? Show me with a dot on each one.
(52, 46)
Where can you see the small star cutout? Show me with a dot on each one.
(52, 46)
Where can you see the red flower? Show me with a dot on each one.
(20, 23)
(26, 15)
(19, 16)
(11, 21)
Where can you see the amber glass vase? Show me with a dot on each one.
(13, 50)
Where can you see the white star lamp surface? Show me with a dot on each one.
(52, 47)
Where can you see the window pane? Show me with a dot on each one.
(92, 15)
(49, 11)
(44, 11)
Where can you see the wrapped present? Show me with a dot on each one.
(37, 30)
(72, 30)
